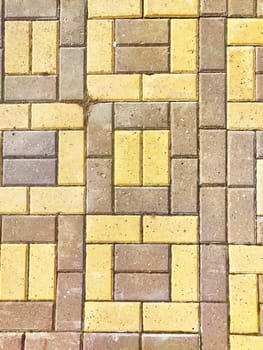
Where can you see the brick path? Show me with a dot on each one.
(131, 198)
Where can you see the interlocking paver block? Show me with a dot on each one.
(114, 8)
(113, 341)
(241, 8)
(11, 341)
(157, 8)
(168, 341)
(212, 7)
(27, 8)
(57, 341)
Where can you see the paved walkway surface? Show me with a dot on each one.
(131, 195)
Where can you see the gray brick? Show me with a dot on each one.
(259, 136)
(213, 7)
(170, 342)
(29, 8)
(71, 78)
(111, 341)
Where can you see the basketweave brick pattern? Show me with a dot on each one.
(131, 151)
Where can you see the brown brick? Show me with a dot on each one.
(30, 88)
(111, 341)
(11, 341)
(70, 242)
(72, 22)
(260, 231)
(213, 214)
(214, 323)
(142, 286)
(260, 8)
(141, 200)
(241, 215)
(26, 316)
(212, 156)
(170, 342)
(241, 156)
(259, 87)
(260, 288)
(58, 341)
(212, 52)
(142, 31)
(29, 172)
(27, 8)
(212, 99)
(142, 115)
(29, 144)
(141, 59)
(28, 228)
(99, 132)
(184, 185)
(99, 194)
(69, 301)
(141, 257)
(241, 8)
(259, 59)
(259, 137)
(71, 77)
(213, 274)
(184, 128)
(213, 7)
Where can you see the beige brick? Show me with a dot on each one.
(14, 116)
(245, 259)
(245, 31)
(114, 87)
(169, 8)
(99, 272)
(42, 272)
(260, 187)
(44, 47)
(243, 303)
(113, 229)
(114, 8)
(100, 46)
(17, 47)
(170, 87)
(13, 271)
(13, 200)
(241, 74)
(185, 269)
(52, 200)
(184, 55)
(71, 158)
(245, 116)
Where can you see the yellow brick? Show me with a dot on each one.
(71, 158)
(13, 271)
(99, 272)
(14, 116)
(112, 317)
(170, 87)
(57, 116)
(17, 47)
(53, 200)
(245, 116)
(243, 304)
(169, 8)
(245, 31)
(156, 158)
(44, 47)
(42, 272)
(246, 259)
(174, 317)
(246, 342)
(113, 229)
(127, 158)
(118, 87)
(170, 229)
(184, 35)
(260, 187)
(185, 273)
(241, 74)
(13, 200)
(114, 8)
(100, 46)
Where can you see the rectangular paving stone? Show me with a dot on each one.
(212, 7)
(213, 273)
(27, 8)
(29, 172)
(22, 228)
(147, 200)
(111, 341)
(30, 88)
(259, 59)
(71, 76)
(99, 186)
(260, 288)
(243, 8)
(69, 302)
(259, 85)
(184, 186)
(142, 31)
(170, 341)
(260, 229)
(11, 341)
(212, 214)
(72, 22)
(241, 215)
(26, 316)
(259, 144)
(141, 286)
(31, 144)
(58, 341)
(141, 258)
